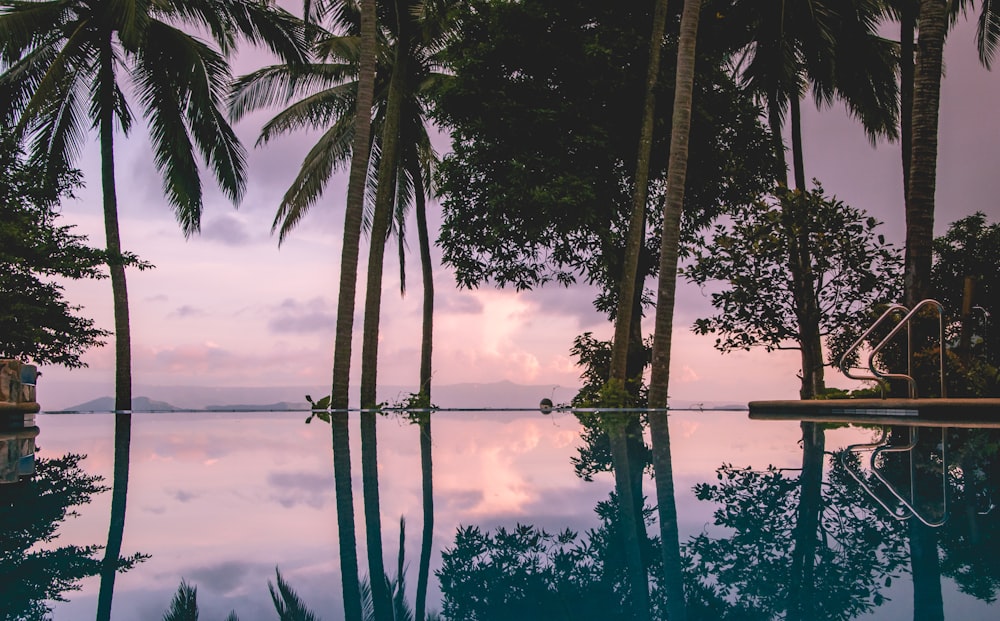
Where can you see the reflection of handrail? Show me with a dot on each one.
(911, 503)
(845, 368)
(899, 513)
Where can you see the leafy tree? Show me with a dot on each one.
(37, 323)
(34, 569)
(852, 269)
(966, 275)
(543, 116)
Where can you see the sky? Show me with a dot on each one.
(229, 307)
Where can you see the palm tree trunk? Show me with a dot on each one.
(931, 27)
(353, 215)
(123, 362)
(798, 167)
(907, 28)
(427, 273)
(424, 418)
(666, 293)
(623, 318)
(774, 123)
(636, 230)
(384, 198)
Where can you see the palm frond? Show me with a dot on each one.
(181, 82)
(988, 31)
(287, 603)
(265, 24)
(331, 151)
(184, 606)
(279, 84)
(317, 111)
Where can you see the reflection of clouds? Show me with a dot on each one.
(301, 488)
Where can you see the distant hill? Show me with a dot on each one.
(139, 404)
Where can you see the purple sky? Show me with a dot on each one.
(229, 308)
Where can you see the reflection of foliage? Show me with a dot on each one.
(971, 537)
(31, 571)
(594, 357)
(528, 573)
(747, 574)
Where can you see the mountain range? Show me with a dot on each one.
(493, 395)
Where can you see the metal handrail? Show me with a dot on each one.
(905, 322)
(845, 368)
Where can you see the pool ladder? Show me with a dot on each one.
(907, 506)
(905, 322)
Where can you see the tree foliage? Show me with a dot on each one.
(37, 323)
(853, 269)
(544, 120)
(970, 249)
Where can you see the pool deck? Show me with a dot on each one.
(916, 412)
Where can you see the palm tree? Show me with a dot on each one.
(631, 522)
(402, 162)
(61, 64)
(660, 372)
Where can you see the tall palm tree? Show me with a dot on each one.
(61, 65)
(660, 373)
(631, 523)
(61, 61)
(327, 98)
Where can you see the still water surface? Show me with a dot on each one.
(221, 500)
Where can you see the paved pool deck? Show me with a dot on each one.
(917, 412)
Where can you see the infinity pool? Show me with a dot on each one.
(222, 500)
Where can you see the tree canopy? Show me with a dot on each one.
(853, 269)
(543, 112)
(38, 324)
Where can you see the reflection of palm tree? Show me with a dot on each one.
(116, 529)
(666, 290)
(427, 491)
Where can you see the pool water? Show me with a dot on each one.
(223, 500)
